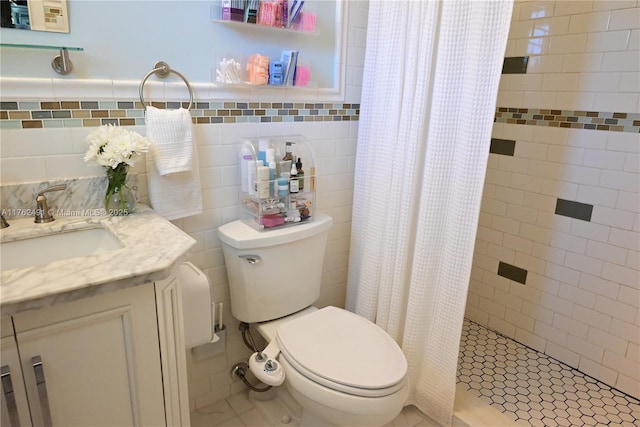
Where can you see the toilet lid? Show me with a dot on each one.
(343, 351)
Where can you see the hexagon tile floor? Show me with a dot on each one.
(532, 387)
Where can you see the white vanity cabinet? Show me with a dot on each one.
(98, 361)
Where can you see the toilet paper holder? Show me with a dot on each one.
(204, 330)
(217, 346)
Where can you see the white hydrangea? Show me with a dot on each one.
(112, 145)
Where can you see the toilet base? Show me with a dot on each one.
(277, 407)
(280, 409)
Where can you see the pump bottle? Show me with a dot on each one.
(287, 151)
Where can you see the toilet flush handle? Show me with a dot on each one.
(251, 259)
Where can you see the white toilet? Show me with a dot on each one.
(340, 367)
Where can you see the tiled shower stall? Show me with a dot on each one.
(557, 262)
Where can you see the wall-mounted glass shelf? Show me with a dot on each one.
(61, 63)
(258, 27)
(42, 46)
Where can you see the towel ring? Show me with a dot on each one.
(162, 70)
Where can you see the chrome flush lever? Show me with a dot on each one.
(251, 259)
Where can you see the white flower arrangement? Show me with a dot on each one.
(111, 146)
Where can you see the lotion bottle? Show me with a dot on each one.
(283, 185)
(263, 182)
(252, 176)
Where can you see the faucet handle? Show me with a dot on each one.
(3, 221)
(42, 209)
(52, 188)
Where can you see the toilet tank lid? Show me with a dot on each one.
(240, 235)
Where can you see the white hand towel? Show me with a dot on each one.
(176, 195)
(171, 139)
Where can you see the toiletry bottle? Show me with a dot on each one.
(263, 182)
(270, 155)
(293, 180)
(287, 151)
(263, 146)
(271, 163)
(252, 177)
(300, 174)
(283, 186)
(273, 190)
(246, 157)
(312, 180)
(284, 168)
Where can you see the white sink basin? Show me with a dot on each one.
(55, 247)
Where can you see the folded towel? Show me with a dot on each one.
(171, 141)
(176, 195)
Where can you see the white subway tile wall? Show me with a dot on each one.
(583, 304)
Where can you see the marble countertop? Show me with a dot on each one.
(153, 247)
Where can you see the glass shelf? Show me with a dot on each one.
(258, 27)
(61, 63)
(42, 46)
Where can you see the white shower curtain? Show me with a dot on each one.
(430, 84)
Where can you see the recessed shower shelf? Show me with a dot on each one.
(61, 63)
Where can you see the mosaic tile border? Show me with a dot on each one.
(572, 119)
(57, 114)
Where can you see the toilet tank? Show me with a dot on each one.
(273, 273)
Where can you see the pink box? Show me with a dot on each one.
(305, 22)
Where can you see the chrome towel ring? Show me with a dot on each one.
(162, 70)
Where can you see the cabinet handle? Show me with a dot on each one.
(10, 398)
(38, 368)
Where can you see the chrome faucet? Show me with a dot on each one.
(3, 222)
(42, 209)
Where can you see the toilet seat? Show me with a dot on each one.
(344, 352)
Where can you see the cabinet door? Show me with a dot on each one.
(174, 362)
(94, 361)
(14, 411)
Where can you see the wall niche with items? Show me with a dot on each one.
(285, 43)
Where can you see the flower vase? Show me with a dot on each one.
(119, 199)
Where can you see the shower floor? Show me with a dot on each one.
(531, 387)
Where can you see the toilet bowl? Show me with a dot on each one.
(341, 368)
